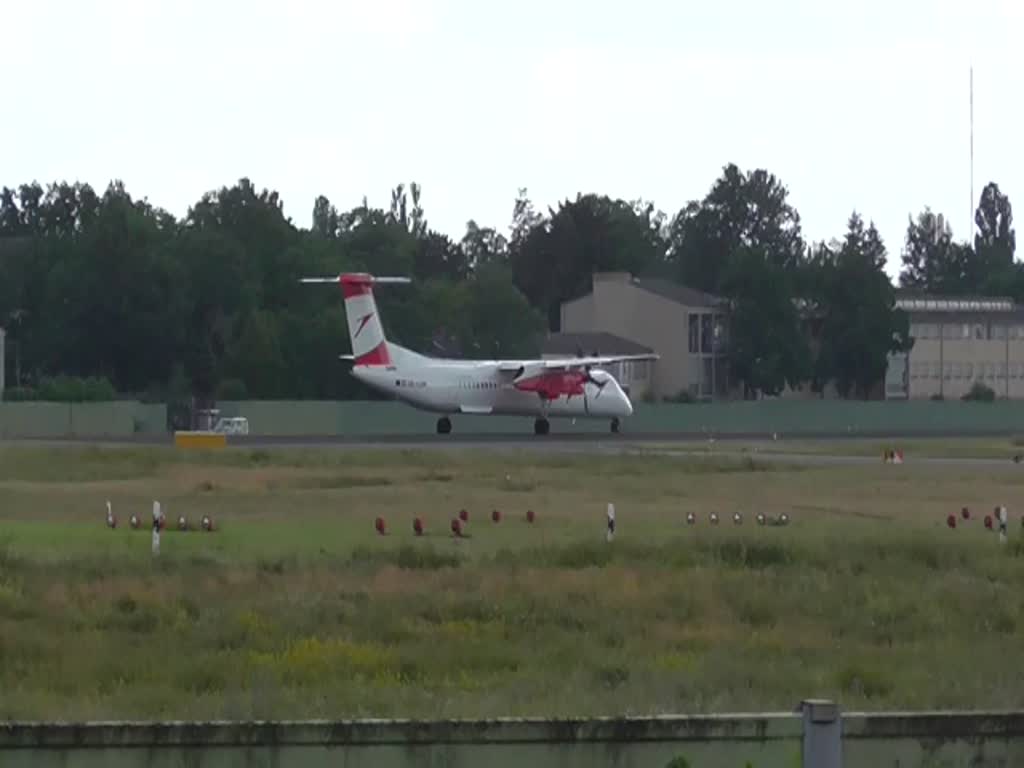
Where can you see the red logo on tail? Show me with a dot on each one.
(362, 323)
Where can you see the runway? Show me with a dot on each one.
(675, 445)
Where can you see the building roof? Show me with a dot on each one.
(585, 343)
(929, 303)
(667, 289)
(678, 293)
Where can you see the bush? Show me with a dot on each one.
(65, 389)
(19, 394)
(980, 392)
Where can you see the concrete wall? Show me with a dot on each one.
(787, 417)
(3, 362)
(916, 740)
(54, 420)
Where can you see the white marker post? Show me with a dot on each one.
(156, 528)
(611, 521)
(1002, 524)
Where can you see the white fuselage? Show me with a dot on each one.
(482, 387)
(535, 387)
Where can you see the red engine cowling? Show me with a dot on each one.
(551, 386)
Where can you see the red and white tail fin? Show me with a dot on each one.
(369, 345)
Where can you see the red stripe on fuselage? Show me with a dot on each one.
(377, 356)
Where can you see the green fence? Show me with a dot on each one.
(58, 420)
(785, 417)
(354, 419)
(787, 740)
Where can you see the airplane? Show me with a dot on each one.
(564, 388)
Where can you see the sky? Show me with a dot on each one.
(854, 106)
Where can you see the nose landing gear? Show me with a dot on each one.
(615, 426)
(444, 425)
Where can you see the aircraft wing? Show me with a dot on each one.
(520, 367)
(569, 363)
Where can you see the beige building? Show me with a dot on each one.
(957, 342)
(686, 328)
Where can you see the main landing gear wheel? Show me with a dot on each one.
(615, 426)
(541, 427)
(444, 425)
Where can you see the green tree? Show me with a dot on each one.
(744, 241)
(257, 358)
(413, 220)
(503, 324)
(211, 276)
(932, 261)
(768, 349)
(256, 222)
(483, 246)
(861, 324)
(438, 256)
(325, 218)
(741, 211)
(553, 259)
(995, 242)
(108, 307)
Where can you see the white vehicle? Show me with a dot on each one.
(570, 388)
(236, 425)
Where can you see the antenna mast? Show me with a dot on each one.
(970, 218)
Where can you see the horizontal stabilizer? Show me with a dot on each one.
(356, 278)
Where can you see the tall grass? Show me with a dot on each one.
(296, 608)
(733, 623)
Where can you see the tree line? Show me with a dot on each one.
(113, 288)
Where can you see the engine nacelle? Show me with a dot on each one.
(551, 386)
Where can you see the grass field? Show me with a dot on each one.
(967, 448)
(297, 608)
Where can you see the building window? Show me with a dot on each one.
(969, 370)
(705, 334)
(694, 333)
(979, 332)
